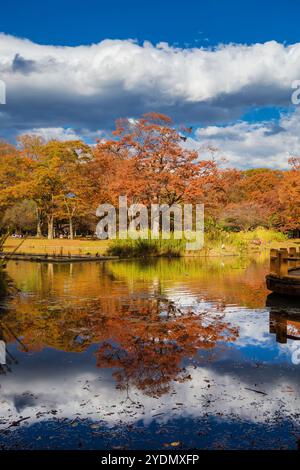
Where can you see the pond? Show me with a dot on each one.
(162, 354)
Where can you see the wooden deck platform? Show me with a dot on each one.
(284, 277)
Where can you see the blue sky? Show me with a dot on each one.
(224, 67)
(191, 22)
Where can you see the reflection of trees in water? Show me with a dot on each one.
(234, 280)
(144, 339)
(6, 288)
(148, 342)
(141, 334)
(10, 361)
(3, 284)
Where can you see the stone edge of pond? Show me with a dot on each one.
(42, 258)
(53, 259)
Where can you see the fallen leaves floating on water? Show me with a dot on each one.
(256, 391)
(172, 444)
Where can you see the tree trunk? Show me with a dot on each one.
(50, 227)
(38, 224)
(71, 228)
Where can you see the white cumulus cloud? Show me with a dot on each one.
(261, 144)
(85, 88)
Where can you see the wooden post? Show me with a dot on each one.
(272, 323)
(274, 261)
(281, 331)
(283, 263)
(293, 254)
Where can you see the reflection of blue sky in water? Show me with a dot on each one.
(65, 394)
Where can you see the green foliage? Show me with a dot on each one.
(166, 269)
(217, 241)
(146, 247)
(241, 241)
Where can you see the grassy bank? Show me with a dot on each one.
(58, 247)
(217, 243)
(221, 242)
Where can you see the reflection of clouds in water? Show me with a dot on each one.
(2, 352)
(218, 392)
(290, 350)
(185, 300)
(253, 325)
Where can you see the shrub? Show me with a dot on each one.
(146, 247)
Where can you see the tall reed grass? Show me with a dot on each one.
(142, 247)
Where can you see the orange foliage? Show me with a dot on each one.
(148, 160)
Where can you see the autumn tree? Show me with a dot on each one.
(245, 215)
(154, 165)
(20, 217)
(55, 181)
(149, 160)
(252, 199)
(289, 199)
(295, 163)
(13, 172)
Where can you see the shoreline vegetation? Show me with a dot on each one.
(3, 278)
(217, 244)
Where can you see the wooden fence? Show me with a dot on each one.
(285, 263)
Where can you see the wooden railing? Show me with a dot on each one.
(284, 262)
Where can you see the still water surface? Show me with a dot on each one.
(148, 355)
